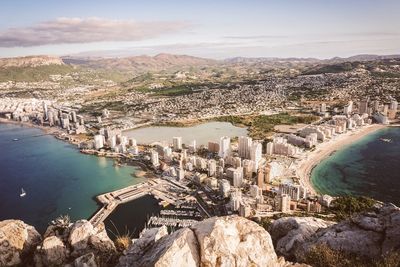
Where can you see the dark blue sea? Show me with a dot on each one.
(57, 178)
(369, 167)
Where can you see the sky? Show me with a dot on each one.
(213, 29)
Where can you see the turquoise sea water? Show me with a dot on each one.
(368, 167)
(57, 178)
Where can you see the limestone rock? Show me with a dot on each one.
(177, 249)
(219, 241)
(17, 242)
(79, 235)
(52, 252)
(234, 241)
(371, 234)
(87, 260)
(289, 232)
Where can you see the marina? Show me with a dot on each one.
(162, 189)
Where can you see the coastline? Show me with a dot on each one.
(326, 149)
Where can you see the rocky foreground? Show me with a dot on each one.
(218, 241)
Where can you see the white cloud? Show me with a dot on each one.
(86, 30)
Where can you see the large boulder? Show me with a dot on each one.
(177, 249)
(52, 252)
(234, 241)
(84, 238)
(289, 232)
(370, 235)
(17, 242)
(79, 235)
(218, 241)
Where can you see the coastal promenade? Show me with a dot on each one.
(161, 189)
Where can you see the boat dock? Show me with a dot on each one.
(159, 188)
(171, 222)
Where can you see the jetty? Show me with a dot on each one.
(162, 189)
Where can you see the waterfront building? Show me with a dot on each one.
(325, 200)
(313, 129)
(363, 106)
(267, 173)
(200, 177)
(184, 154)
(255, 154)
(181, 174)
(238, 177)
(154, 158)
(213, 147)
(212, 182)
(221, 162)
(245, 146)
(177, 143)
(313, 206)
(51, 118)
(201, 164)
(73, 115)
(248, 168)
(376, 106)
(224, 187)
(112, 141)
(65, 123)
(244, 210)
(45, 111)
(193, 147)
(98, 141)
(189, 166)
(220, 172)
(260, 178)
(224, 147)
(255, 191)
(167, 152)
(282, 203)
(385, 109)
(281, 147)
(212, 167)
(270, 148)
(393, 105)
(349, 108)
(296, 192)
(380, 118)
(236, 198)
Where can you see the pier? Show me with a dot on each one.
(159, 188)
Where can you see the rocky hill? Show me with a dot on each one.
(143, 63)
(30, 61)
(368, 239)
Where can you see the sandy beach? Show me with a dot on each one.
(324, 150)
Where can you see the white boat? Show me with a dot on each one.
(23, 193)
(387, 140)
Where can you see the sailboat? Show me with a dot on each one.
(23, 193)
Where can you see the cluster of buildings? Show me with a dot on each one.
(44, 113)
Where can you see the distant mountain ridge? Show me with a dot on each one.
(142, 63)
(30, 61)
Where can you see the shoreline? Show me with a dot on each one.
(327, 149)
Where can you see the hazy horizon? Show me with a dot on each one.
(223, 29)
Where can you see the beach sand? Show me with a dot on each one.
(324, 150)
